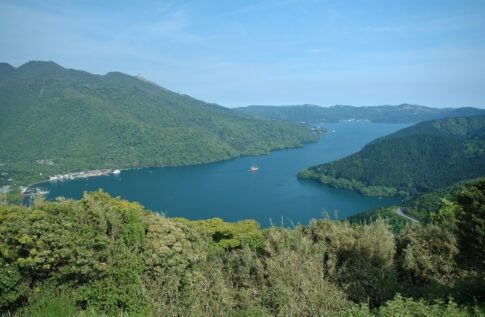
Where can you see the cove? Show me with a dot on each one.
(227, 189)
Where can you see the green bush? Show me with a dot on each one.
(358, 258)
(104, 256)
(298, 283)
(427, 254)
(407, 307)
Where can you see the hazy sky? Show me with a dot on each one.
(237, 53)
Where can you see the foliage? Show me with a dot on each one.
(471, 225)
(358, 258)
(49, 302)
(300, 285)
(226, 235)
(81, 121)
(407, 307)
(104, 256)
(245, 270)
(14, 197)
(421, 158)
(396, 222)
(423, 206)
(427, 254)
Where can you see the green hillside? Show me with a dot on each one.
(396, 222)
(424, 157)
(425, 205)
(104, 256)
(84, 121)
(405, 113)
(423, 208)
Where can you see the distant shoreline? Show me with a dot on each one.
(33, 185)
(72, 176)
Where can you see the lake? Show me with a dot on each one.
(228, 190)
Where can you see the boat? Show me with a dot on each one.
(116, 172)
(254, 168)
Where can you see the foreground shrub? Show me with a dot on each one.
(407, 307)
(360, 259)
(427, 254)
(298, 284)
(103, 256)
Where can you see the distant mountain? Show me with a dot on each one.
(424, 157)
(405, 113)
(56, 120)
(6, 70)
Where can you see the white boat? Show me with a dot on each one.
(116, 172)
(254, 168)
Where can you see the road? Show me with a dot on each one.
(400, 212)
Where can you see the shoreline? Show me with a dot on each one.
(82, 174)
(71, 176)
(32, 185)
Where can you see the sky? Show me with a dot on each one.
(237, 53)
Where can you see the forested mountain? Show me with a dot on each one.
(424, 208)
(424, 157)
(405, 113)
(55, 120)
(104, 256)
(425, 205)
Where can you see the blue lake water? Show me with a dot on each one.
(228, 190)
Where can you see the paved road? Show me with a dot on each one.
(400, 212)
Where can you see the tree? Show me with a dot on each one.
(427, 254)
(359, 259)
(471, 225)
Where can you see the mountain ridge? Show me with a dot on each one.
(314, 114)
(426, 156)
(86, 121)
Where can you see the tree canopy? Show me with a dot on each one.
(104, 255)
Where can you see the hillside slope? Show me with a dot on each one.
(104, 256)
(424, 157)
(84, 121)
(404, 113)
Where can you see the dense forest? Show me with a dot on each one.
(55, 120)
(107, 256)
(421, 158)
(404, 113)
(422, 208)
(395, 221)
